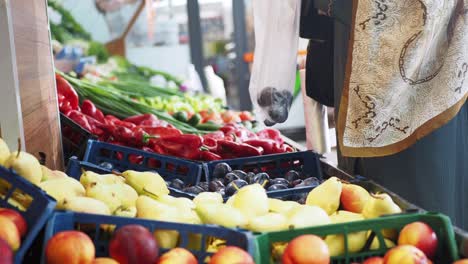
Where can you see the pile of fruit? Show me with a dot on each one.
(227, 182)
(130, 244)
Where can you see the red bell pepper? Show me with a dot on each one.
(228, 149)
(89, 109)
(80, 119)
(209, 156)
(112, 120)
(271, 133)
(160, 131)
(186, 146)
(66, 92)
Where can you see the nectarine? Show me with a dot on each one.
(306, 249)
(70, 247)
(9, 233)
(405, 254)
(133, 244)
(104, 261)
(17, 218)
(420, 235)
(231, 255)
(374, 260)
(178, 255)
(6, 254)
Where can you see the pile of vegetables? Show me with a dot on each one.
(129, 123)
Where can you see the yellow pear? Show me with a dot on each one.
(376, 243)
(26, 165)
(178, 202)
(306, 216)
(89, 177)
(230, 200)
(268, 223)
(146, 183)
(356, 241)
(4, 152)
(280, 206)
(251, 200)
(126, 211)
(326, 195)
(151, 209)
(104, 194)
(85, 205)
(48, 174)
(208, 197)
(380, 204)
(62, 188)
(221, 214)
(166, 238)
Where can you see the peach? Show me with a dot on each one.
(420, 235)
(6, 254)
(353, 198)
(134, 244)
(461, 261)
(71, 247)
(231, 255)
(374, 260)
(405, 254)
(104, 261)
(178, 255)
(9, 233)
(306, 249)
(17, 218)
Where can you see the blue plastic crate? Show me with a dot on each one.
(36, 214)
(75, 167)
(276, 165)
(62, 221)
(168, 167)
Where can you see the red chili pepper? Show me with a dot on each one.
(271, 133)
(110, 119)
(244, 134)
(80, 119)
(89, 109)
(228, 149)
(123, 134)
(144, 119)
(186, 146)
(66, 89)
(135, 159)
(209, 156)
(269, 146)
(161, 131)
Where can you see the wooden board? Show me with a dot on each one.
(36, 80)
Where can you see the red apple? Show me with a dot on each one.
(306, 249)
(70, 247)
(231, 255)
(353, 198)
(179, 256)
(133, 244)
(374, 260)
(420, 235)
(9, 233)
(17, 218)
(104, 261)
(405, 254)
(6, 254)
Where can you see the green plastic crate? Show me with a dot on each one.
(446, 251)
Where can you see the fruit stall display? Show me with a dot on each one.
(129, 206)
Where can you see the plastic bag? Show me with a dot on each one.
(276, 25)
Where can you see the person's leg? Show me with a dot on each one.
(433, 173)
